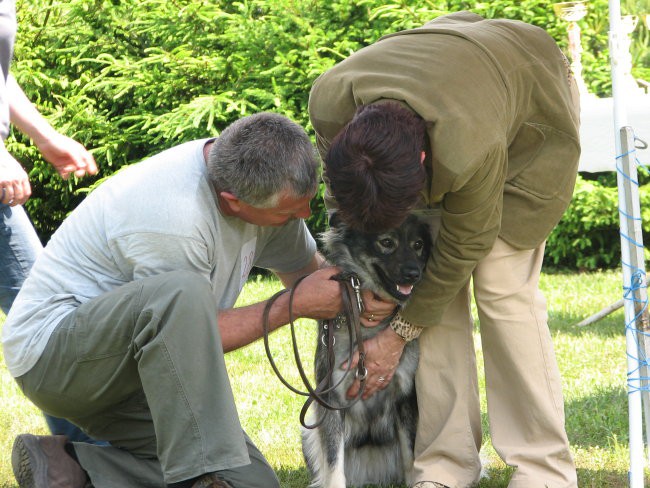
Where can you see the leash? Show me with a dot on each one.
(352, 310)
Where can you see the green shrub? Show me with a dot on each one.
(588, 236)
(129, 79)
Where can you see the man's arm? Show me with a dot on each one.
(288, 279)
(317, 297)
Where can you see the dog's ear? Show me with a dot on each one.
(334, 220)
(428, 240)
(425, 232)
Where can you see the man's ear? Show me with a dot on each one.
(234, 204)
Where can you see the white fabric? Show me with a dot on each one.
(597, 130)
(156, 216)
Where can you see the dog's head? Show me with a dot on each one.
(389, 263)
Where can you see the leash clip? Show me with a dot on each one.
(356, 286)
(362, 372)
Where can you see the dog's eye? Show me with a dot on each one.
(418, 245)
(387, 243)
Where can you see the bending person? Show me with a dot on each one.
(475, 121)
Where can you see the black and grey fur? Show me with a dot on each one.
(372, 442)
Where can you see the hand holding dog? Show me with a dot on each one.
(318, 296)
(375, 309)
(383, 353)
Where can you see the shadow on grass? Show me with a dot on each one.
(612, 325)
(299, 478)
(293, 477)
(497, 478)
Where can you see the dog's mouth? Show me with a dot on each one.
(404, 289)
(399, 291)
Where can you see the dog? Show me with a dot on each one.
(372, 441)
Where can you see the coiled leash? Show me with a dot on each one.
(352, 310)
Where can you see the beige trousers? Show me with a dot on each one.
(525, 404)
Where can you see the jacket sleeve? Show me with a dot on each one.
(469, 225)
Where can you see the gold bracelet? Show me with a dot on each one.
(404, 329)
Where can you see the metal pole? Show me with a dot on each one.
(635, 408)
(603, 313)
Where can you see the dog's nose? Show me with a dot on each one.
(410, 274)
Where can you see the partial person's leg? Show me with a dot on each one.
(59, 426)
(449, 436)
(524, 391)
(19, 247)
(142, 367)
(255, 475)
(116, 468)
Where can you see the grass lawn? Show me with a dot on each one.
(592, 360)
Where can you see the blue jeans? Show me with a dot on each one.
(19, 247)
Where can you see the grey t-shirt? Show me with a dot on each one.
(155, 216)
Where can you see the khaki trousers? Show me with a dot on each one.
(142, 367)
(525, 403)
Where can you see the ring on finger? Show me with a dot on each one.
(371, 318)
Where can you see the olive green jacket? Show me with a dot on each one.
(504, 143)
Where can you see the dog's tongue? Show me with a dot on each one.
(405, 289)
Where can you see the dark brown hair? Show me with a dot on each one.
(374, 166)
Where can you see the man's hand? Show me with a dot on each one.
(318, 296)
(14, 182)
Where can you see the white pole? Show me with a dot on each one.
(634, 385)
(635, 301)
(618, 94)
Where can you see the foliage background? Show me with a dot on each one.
(129, 79)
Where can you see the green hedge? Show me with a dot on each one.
(129, 79)
(588, 235)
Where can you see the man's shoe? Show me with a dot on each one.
(211, 480)
(429, 484)
(42, 462)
